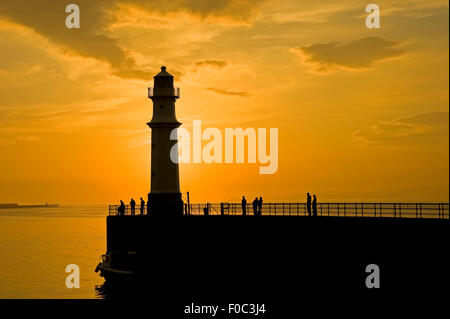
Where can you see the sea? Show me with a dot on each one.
(37, 244)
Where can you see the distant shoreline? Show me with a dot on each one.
(14, 205)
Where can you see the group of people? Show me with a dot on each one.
(257, 206)
(121, 209)
(311, 206)
(312, 203)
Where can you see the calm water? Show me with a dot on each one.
(37, 244)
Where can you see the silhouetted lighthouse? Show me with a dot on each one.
(164, 197)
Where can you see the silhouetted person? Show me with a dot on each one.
(142, 206)
(314, 205)
(308, 204)
(132, 206)
(121, 210)
(255, 206)
(244, 206)
(206, 209)
(260, 202)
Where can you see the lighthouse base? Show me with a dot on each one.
(165, 204)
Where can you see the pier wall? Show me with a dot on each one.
(272, 255)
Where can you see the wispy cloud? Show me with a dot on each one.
(228, 11)
(6, 140)
(358, 54)
(421, 129)
(229, 92)
(214, 63)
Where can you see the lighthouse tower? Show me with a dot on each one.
(164, 197)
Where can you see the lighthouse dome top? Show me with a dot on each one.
(163, 73)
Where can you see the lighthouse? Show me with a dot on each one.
(164, 198)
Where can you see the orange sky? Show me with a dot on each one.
(362, 114)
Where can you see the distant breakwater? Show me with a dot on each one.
(15, 205)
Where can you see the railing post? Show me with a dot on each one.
(395, 211)
(400, 210)
(189, 203)
(345, 209)
(275, 211)
(297, 209)
(362, 209)
(338, 208)
(356, 209)
(328, 206)
(375, 209)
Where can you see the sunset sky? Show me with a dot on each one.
(362, 113)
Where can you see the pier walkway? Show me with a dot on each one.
(393, 210)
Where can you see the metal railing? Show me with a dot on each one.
(114, 210)
(395, 210)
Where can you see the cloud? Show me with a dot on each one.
(358, 54)
(10, 139)
(208, 66)
(47, 18)
(229, 92)
(28, 138)
(92, 39)
(229, 11)
(421, 129)
(214, 63)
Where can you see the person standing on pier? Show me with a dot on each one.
(314, 205)
(255, 206)
(260, 202)
(142, 206)
(308, 203)
(132, 206)
(244, 206)
(121, 210)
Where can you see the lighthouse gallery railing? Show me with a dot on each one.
(395, 210)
